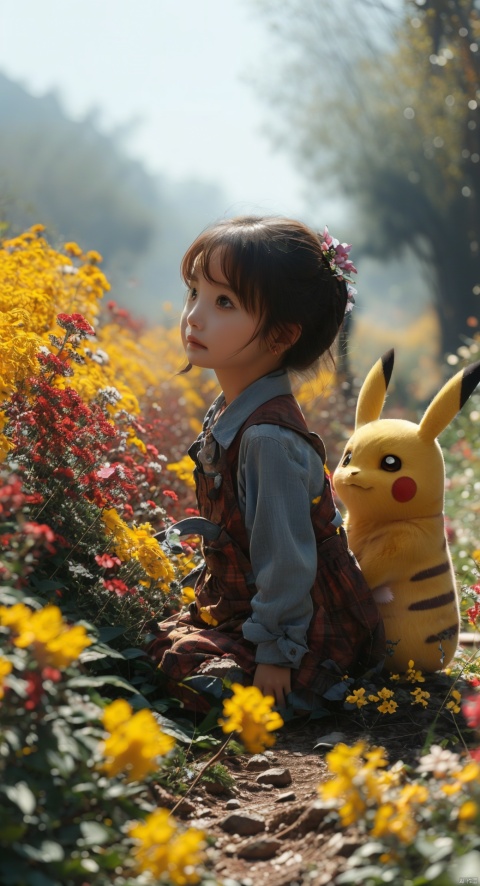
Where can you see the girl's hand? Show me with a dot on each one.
(273, 680)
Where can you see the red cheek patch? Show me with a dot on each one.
(404, 489)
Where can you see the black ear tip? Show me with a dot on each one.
(387, 365)
(470, 380)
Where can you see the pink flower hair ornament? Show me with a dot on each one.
(341, 266)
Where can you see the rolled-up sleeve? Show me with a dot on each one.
(279, 475)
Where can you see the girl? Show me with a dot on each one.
(280, 601)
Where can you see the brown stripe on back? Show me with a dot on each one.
(432, 572)
(447, 634)
(433, 602)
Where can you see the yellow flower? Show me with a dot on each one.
(399, 822)
(250, 714)
(150, 554)
(188, 596)
(135, 742)
(138, 544)
(52, 641)
(93, 257)
(454, 704)
(468, 811)
(412, 675)
(5, 669)
(387, 707)
(420, 696)
(207, 617)
(470, 772)
(357, 697)
(73, 249)
(164, 851)
(15, 617)
(184, 470)
(359, 779)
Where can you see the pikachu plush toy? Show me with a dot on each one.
(391, 480)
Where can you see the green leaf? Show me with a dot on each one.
(94, 833)
(63, 763)
(111, 632)
(98, 651)
(133, 652)
(21, 795)
(465, 867)
(46, 584)
(94, 682)
(174, 729)
(47, 852)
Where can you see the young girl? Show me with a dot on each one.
(280, 601)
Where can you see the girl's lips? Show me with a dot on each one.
(194, 343)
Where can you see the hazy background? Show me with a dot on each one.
(129, 127)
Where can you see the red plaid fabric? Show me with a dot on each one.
(346, 627)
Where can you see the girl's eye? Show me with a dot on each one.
(224, 302)
(391, 463)
(192, 293)
(347, 459)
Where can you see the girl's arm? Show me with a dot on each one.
(279, 474)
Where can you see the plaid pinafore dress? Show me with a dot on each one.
(346, 631)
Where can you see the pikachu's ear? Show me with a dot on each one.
(449, 401)
(372, 393)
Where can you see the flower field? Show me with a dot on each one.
(95, 421)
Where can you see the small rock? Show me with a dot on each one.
(233, 804)
(286, 797)
(244, 823)
(251, 786)
(330, 739)
(216, 788)
(258, 762)
(278, 777)
(260, 849)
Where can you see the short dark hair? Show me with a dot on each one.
(275, 266)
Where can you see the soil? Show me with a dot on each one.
(281, 834)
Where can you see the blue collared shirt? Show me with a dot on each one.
(279, 475)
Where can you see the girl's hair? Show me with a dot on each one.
(275, 267)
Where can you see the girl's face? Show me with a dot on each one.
(219, 334)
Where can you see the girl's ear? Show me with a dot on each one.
(372, 393)
(287, 336)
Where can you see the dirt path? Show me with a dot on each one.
(282, 838)
(270, 828)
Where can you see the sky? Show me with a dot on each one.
(181, 69)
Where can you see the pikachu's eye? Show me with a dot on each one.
(391, 463)
(347, 459)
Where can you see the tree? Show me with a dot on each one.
(383, 101)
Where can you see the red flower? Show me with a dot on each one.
(117, 587)
(170, 494)
(52, 674)
(75, 323)
(107, 561)
(471, 710)
(106, 471)
(473, 613)
(34, 691)
(55, 364)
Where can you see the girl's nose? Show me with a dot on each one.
(193, 315)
